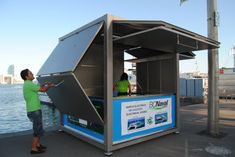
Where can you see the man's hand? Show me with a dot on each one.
(50, 84)
(46, 86)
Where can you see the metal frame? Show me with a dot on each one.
(108, 78)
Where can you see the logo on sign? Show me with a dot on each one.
(158, 104)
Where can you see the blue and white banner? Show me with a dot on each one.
(145, 114)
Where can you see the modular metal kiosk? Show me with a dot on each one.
(88, 61)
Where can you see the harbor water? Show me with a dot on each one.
(13, 116)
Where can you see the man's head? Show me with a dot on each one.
(26, 74)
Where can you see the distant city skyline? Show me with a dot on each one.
(11, 70)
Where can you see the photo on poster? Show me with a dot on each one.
(161, 118)
(136, 123)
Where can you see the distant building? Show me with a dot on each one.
(226, 83)
(6, 79)
(9, 79)
(11, 70)
(233, 52)
(191, 75)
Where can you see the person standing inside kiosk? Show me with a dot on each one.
(123, 86)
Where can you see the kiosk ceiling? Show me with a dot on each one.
(157, 37)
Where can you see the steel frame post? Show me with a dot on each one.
(177, 91)
(108, 85)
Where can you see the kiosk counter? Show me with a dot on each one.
(133, 117)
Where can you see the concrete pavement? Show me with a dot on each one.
(191, 142)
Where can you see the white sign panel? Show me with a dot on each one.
(145, 114)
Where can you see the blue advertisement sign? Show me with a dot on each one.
(135, 117)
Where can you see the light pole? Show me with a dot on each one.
(213, 68)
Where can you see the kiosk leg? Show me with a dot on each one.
(108, 153)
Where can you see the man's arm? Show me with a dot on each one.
(45, 87)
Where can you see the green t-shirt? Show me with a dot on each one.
(122, 86)
(30, 91)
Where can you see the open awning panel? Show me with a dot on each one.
(69, 51)
(70, 98)
(165, 40)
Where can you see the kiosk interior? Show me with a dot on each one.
(88, 61)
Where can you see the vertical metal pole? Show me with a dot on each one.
(213, 98)
(233, 52)
(108, 85)
(177, 90)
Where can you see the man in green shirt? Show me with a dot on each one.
(33, 107)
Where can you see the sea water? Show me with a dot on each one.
(13, 116)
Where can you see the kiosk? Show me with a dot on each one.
(88, 61)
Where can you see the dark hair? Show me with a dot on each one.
(24, 73)
(124, 77)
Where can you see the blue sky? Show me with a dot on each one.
(30, 29)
